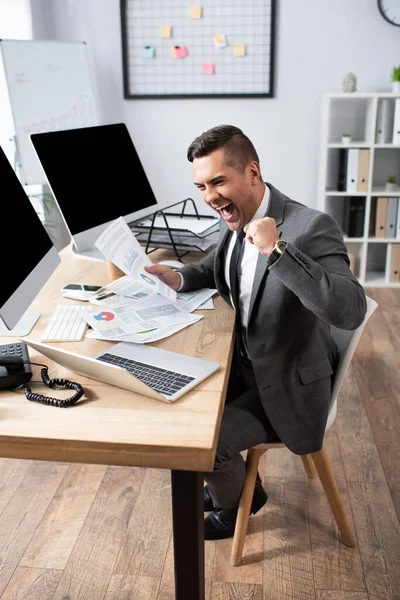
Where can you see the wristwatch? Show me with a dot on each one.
(277, 251)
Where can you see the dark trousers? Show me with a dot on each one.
(244, 424)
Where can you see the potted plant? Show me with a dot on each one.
(395, 77)
(391, 183)
(346, 138)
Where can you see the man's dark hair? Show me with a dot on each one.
(239, 150)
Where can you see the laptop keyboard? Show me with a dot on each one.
(162, 381)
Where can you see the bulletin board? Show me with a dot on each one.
(197, 48)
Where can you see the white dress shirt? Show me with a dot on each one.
(247, 268)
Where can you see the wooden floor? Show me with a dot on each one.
(73, 531)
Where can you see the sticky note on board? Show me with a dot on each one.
(239, 50)
(148, 51)
(165, 31)
(208, 69)
(219, 40)
(178, 52)
(196, 12)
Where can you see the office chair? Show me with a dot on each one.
(347, 342)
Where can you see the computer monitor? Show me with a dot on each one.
(95, 176)
(29, 257)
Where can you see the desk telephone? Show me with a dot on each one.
(15, 372)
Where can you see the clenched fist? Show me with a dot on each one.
(263, 234)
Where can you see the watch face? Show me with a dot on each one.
(390, 11)
(281, 245)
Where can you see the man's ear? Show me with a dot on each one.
(255, 172)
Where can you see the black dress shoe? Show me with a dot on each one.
(220, 524)
(208, 501)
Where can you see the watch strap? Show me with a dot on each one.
(277, 251)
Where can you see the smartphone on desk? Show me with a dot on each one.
(81, 287)
(80, 291)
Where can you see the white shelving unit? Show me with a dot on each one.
(357, 114)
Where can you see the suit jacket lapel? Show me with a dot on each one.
(220, 256)
(275, 211)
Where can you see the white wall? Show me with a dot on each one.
(317, 43)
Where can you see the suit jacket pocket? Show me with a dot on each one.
(314, 371)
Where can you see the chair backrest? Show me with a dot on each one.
(347, 343)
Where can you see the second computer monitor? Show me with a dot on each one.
(96, 176)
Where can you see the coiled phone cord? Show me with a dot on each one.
(54, 384)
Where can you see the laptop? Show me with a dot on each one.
(163, 382)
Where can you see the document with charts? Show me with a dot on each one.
(120, 245)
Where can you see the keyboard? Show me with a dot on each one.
(161, 380)
(67, 324)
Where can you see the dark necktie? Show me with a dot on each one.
(236, 258)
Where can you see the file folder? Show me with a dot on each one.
(381, 214)
(353, 224)
(396, 123)
(392, 274)
(384, 124)
(352, 170)
(342, 170)
(363, 169)
(391, 217)
(397, 235)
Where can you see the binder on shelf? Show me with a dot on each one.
(342, 169)
(398, 220)
(352, 170)
(391, 217)
(353, 225)
(372, 218)
(392, 272)
(363, 170)
(396, 122)
(384, 124)
(381, 214)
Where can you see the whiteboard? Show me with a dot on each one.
(50, 89)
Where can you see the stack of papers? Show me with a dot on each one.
(186, 232)
(197, 227)
(138, 307)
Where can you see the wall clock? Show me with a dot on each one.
(390, 11)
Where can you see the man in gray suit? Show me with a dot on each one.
(291, 282)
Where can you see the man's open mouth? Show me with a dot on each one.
(226, 210)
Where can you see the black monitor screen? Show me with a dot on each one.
(95, 174)
(24, 239)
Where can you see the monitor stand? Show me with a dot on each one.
(23, 327)
(90, 253)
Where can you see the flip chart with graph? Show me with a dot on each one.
(49, 87)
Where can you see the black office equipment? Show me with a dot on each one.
(96, 176)
(15, 370)
(24, 274)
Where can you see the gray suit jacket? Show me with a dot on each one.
(293, 303)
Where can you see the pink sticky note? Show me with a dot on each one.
(208, 69)
(180, 51)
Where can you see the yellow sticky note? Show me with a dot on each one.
(239, 50)
(165, 31)
(196, 12)
(219, 40)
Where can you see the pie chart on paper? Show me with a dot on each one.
(104, 316)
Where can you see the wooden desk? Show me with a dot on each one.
(115, 427)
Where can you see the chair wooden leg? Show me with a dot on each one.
(308, 465)
(328, 481)
(242, 520)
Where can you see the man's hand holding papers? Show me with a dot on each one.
(119, 244)
(143, 305)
